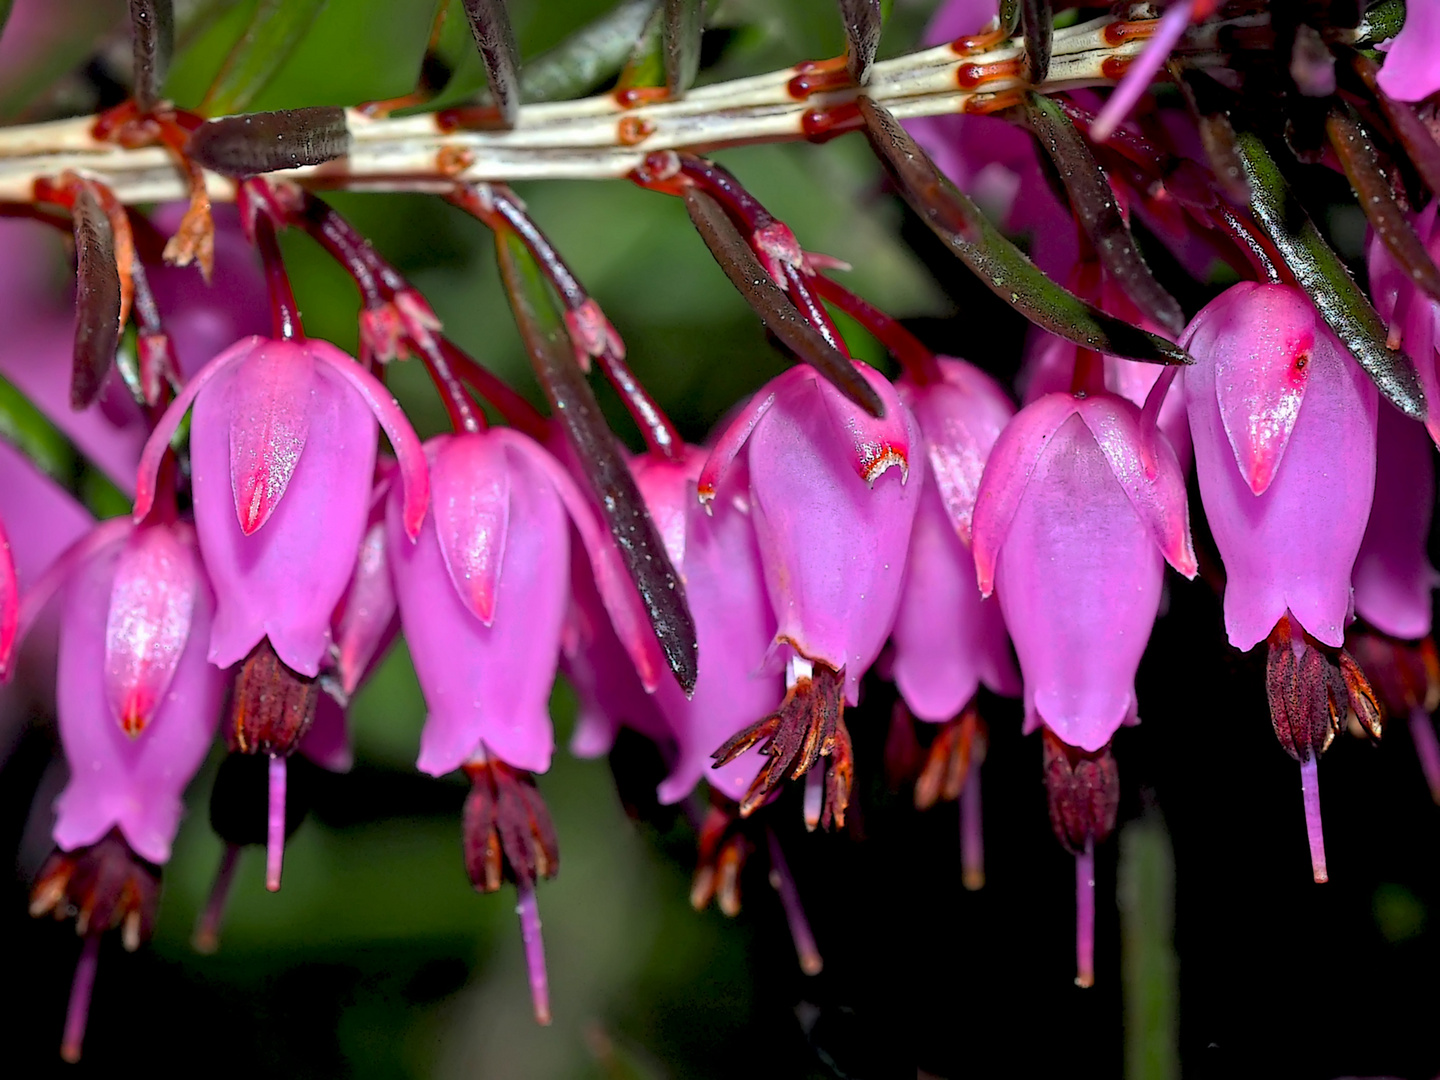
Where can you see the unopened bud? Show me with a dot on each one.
(273, 705)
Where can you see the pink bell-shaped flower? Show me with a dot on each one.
(1284, 426)
(1081, 504)
(1393, 577)
(283, 456)
(137, 701)
(1412, 314)
(947, 638)
(833, 493)
(1078, 511)
(1411, 71)
(717, 557)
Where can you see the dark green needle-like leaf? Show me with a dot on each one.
(994, 259)
(274, 31)
(1358, 156)
(152, 32)
(573, 404)
(862, 36)
(264, 142)
(97, 299)
(495, 38)
(1098, 213)
(1413, 133)
(1319, 271)
(587, 57)
(774, 308)
(684, 23)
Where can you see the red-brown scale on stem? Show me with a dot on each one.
(507, 831)
(821, 125)
(983, 42)
(1115, 67)
(469, 118)
(1121, 31)
(974, 76)
(808, 726)
(818, 77)
(105, 886)
(985, 104)
(630, 97)
(633, 130)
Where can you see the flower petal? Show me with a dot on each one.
(9, 604)
(152, 604)
(269, 422)
(471, 483)
(1007, 472)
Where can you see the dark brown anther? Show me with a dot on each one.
(152, 33)
(1309, 696)
(1364, 710)
(243, 146)
(809, 725)
(495, 38)
(98, 303)
(958, 748)
(105, 886)
(507, 831)
(1404, 675)
(720, 861)
(273, 705)
(1084, 792)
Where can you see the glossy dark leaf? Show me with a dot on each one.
(1319, 271)
(97, 300)
(274, 31)
(1037, 26)
(264, 142)
(994, 259)
(589, 56)
(573, 404)
(1098, 213)
(773, 306)
(1010, 16)
(495, 38)
(684, 23)
(152, 31)
(862, 36)
(1357, 154)
(1414, 134)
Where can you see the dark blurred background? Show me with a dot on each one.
(377, 960)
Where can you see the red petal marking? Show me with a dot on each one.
(1260, 393)
(471, 482)
(269, 423)
(152, 602)
(9, 604)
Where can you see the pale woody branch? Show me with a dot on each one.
(592, 138)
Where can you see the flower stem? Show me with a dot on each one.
(1085, 915)
(78, 1011)
(784, 884)
(918, 361)
(275, 828)
(529, 913)
(206, 939)
(1314, 830)
(972, 833)
(1422, 733)
(284, 314)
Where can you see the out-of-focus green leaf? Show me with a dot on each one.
(646, 65)
(24, 427)
(589, 56)
(275, 31)
(1381, 22)
(1148, 965)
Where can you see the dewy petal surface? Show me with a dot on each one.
(269, 402)
(1295, 545)
(134, 784)
(284, 580)
(471, 483)
(488, 684)
(152, 606)
(833, 545)
(1078, 578)
(1393, 575)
